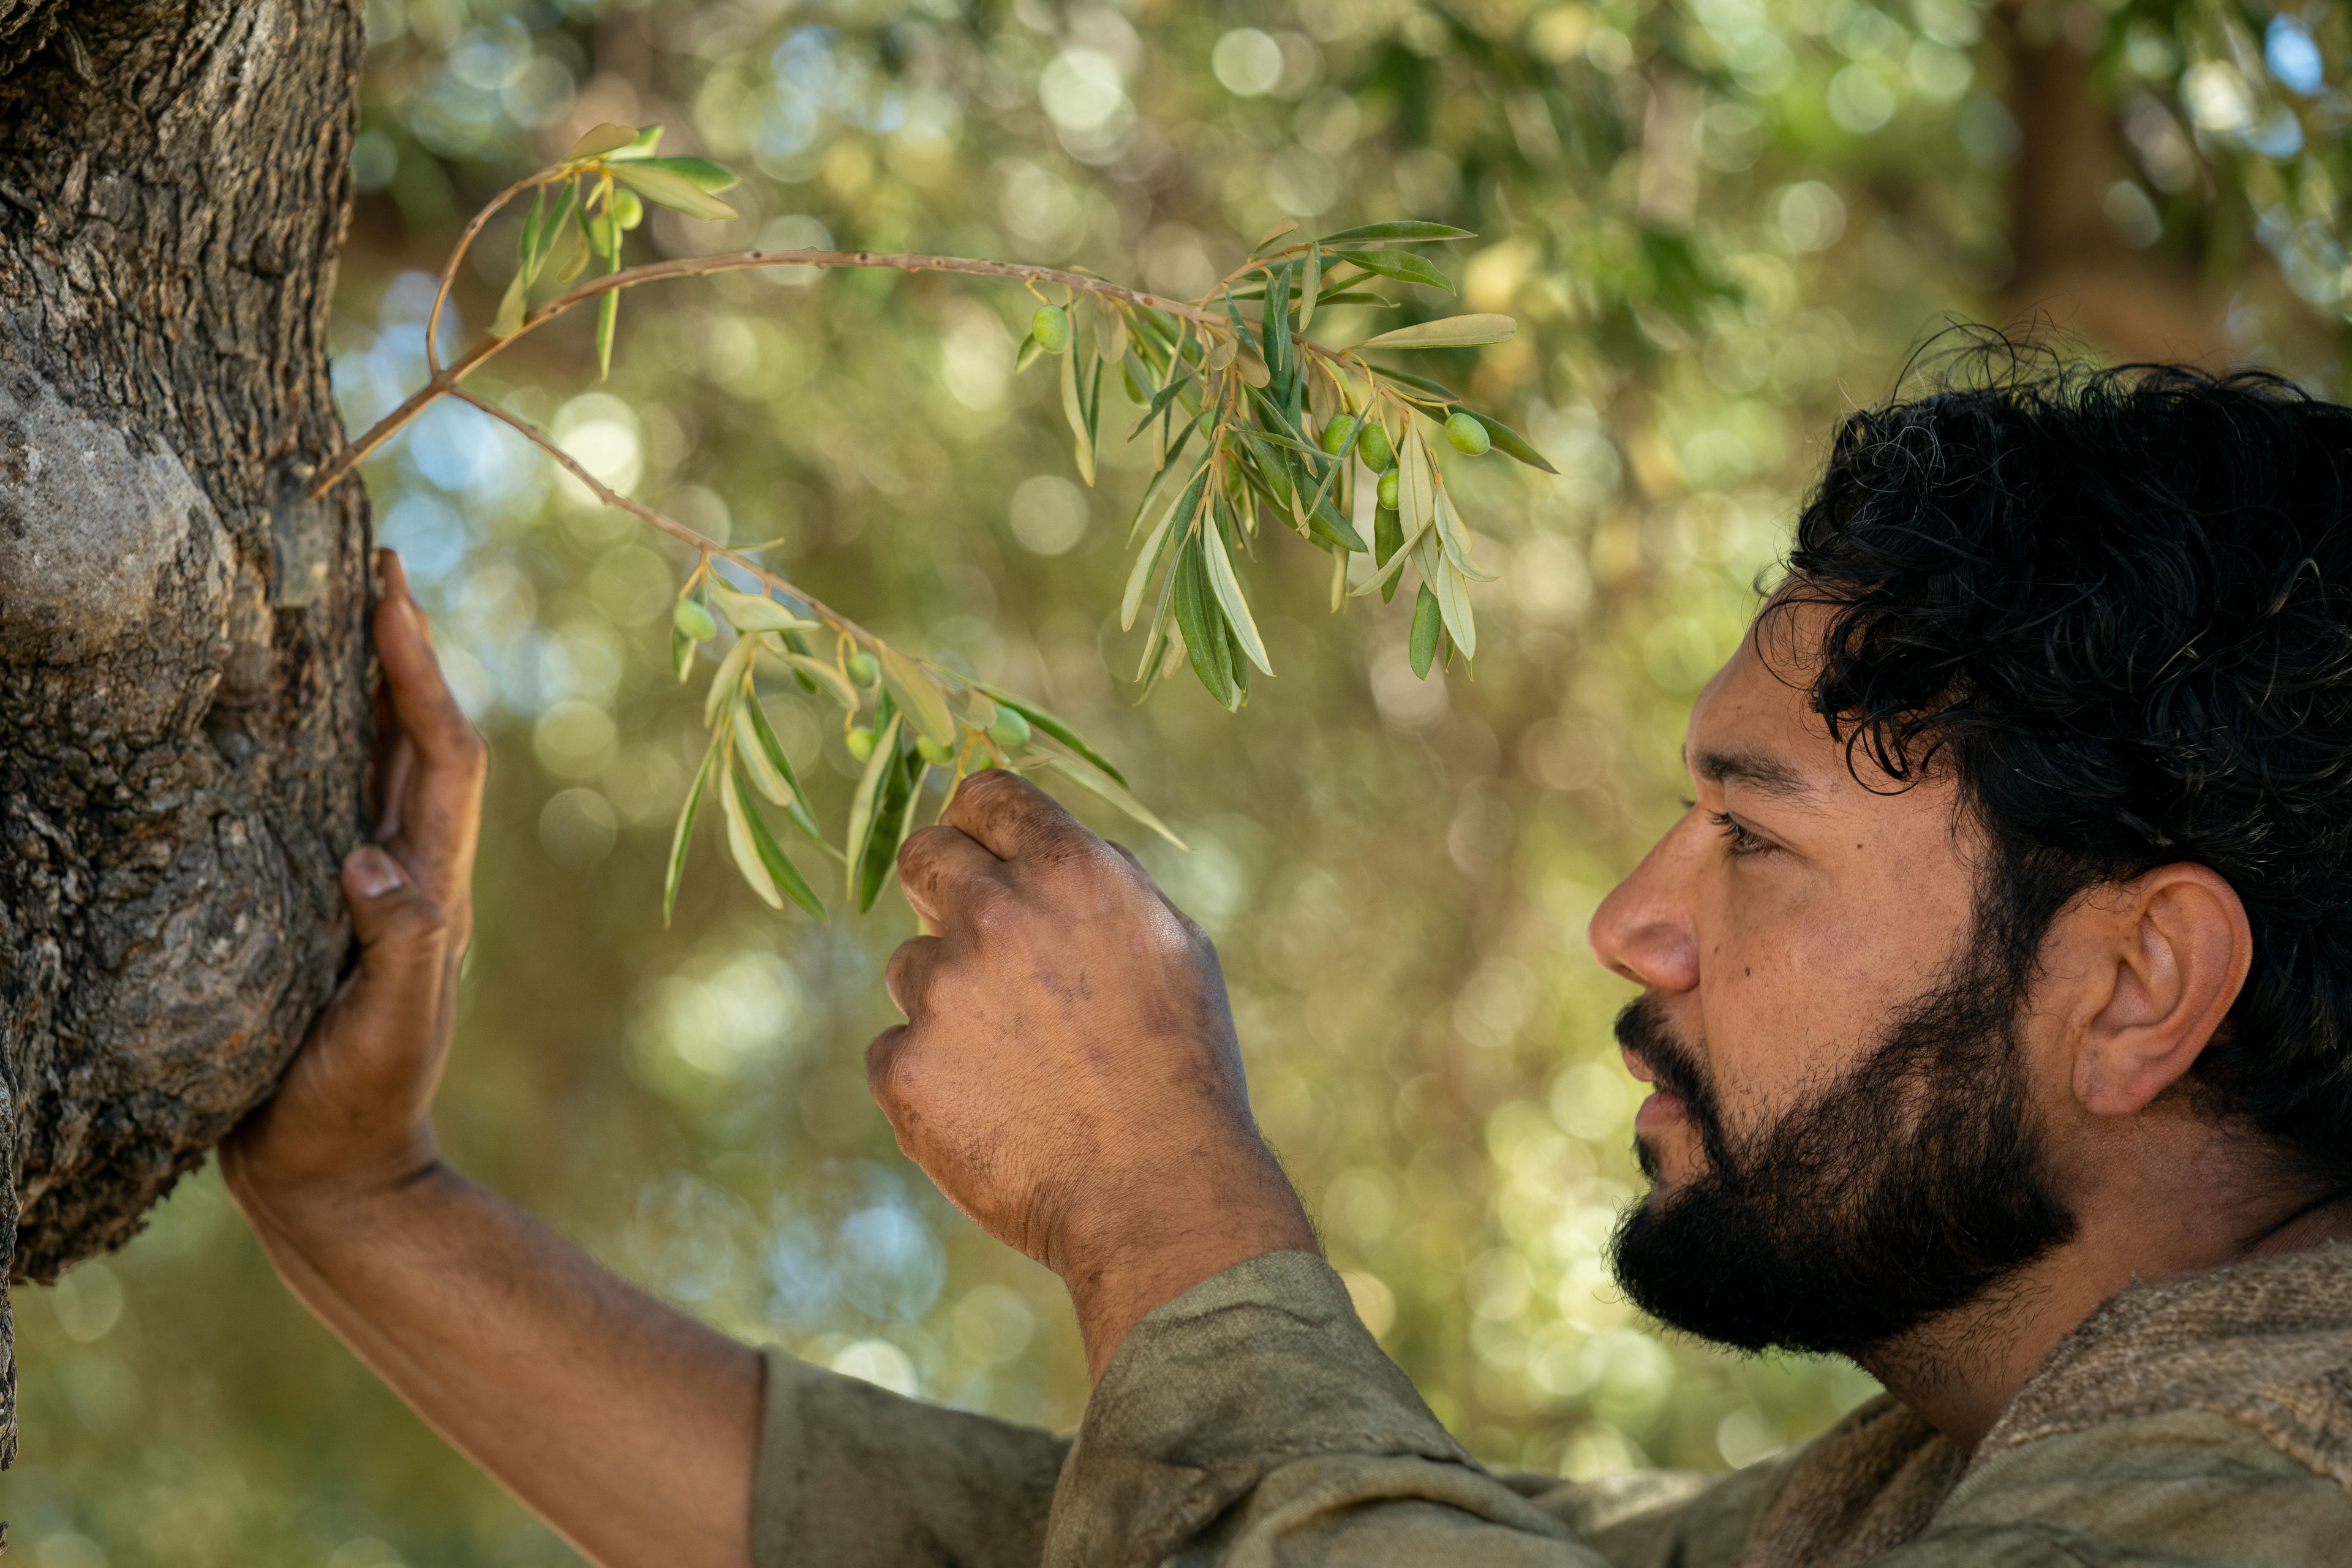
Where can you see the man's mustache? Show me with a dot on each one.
(1642, 1030)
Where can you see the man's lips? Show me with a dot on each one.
(1663, 1109)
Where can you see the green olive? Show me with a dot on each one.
(1051, 327)
(864, 668)
(1389, 490)
(1373, 446)
(860, 740)
(1336, 433)
(693, 618)
(1011, 729)
(1466, 434)
(932, 751)
(628, 210)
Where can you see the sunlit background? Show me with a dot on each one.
(1720, 223)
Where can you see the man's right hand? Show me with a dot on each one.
(352, 1113)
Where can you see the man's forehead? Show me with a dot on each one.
(1752, 726)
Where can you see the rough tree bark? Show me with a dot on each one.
(183, 718)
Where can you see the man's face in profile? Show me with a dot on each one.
(1843, 1141)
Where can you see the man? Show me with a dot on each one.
(1995, 987)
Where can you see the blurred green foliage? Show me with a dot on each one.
(1720, 223)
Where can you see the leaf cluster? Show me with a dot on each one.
(1249, 418)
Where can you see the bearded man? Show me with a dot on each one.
(1996, 988)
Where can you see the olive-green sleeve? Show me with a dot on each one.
(2193, 1489)
(851, 1476)
(1253, 1422)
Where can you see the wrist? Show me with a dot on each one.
(304, 1207)
(1131, 1253)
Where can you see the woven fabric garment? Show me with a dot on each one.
(2200, 1421)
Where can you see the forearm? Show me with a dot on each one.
(627, 1425)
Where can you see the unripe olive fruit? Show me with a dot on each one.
(861, 740)
(1373, 446)
(1051, 327)
(628, 210)
(932, 751)
(1466, 434)
(864, 668)
(694, 619)
(1388, 491)
(1336, 433)
(1011, 729)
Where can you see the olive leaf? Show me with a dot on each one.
(918, 694)
(739, 841)
(1456, 538)
(512, 305)
(758, 765)
(1426, 624)
(1403, 266)
(819, 673)
(700, 173)
(1111, 790)
(1310, 278)
(683, 834)
(882, 761)
(656, 183)
(1178, 518)
(598, 140)
(1445, 332)
(1073, 409)
(1411, 230)
(797, 806)
(758, 856)
(1228, 589)
(729, 678)
(755, 612)
(893, 816)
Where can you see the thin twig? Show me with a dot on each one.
(442, 380)
(449, 268)
(664, 523)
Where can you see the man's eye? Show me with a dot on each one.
(1738, 839)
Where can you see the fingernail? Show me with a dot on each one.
(373, 872)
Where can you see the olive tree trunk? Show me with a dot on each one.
(183, 710)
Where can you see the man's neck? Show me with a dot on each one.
(1961, 1370)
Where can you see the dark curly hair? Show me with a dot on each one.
(2117, 605)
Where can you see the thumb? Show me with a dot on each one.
(402, 930)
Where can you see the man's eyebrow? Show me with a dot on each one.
(1756, 770)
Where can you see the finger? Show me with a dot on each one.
(907, 978)
(944, 873)
(404, 939)
(1009, 817)
(438, 804)
(395, 766)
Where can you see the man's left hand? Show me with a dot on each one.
(1068, 1073)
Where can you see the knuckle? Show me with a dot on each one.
(990, 907)
(417, 918)
(919, 846)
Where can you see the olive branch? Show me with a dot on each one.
(1320, 439)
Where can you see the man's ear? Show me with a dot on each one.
(2177, 948)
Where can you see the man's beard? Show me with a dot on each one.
(1914, 1185)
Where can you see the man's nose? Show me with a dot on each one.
(1644, 930)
